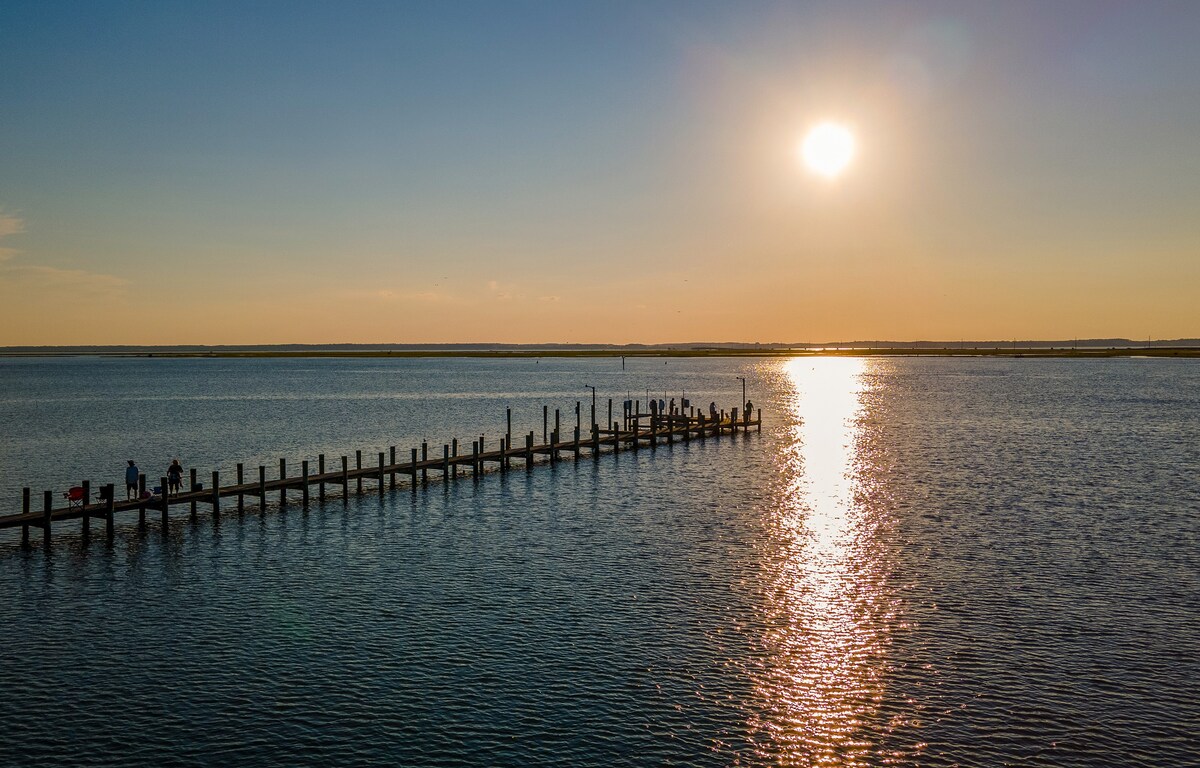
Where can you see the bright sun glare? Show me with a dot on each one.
(827, 149)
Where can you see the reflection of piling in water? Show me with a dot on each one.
(612, 439)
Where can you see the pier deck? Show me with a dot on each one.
(415, 468)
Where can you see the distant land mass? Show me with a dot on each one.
(1088, 347)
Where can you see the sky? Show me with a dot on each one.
(608, 172)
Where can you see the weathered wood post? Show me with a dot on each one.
(321, 472)
(474, 459)
(192, 488)
(47, 507)
(578, 417)
(304, 480)
(216, 496)
(529, 450)
(110, 492)
(414, 470)
(595, 441)
(262, 488)
(392, 458)
(86, 524)
(142, 511)
(545, 423)
(424, 458)
(283, 483)
(609, 420)
(554, 446)
(241, 480)
(616, 437)
(358, 476)
(508, 429)
(557, 424)
(381, 483)
(25, 511)
(142, 494)
(575, 445)
(165, 505)
(345, 480)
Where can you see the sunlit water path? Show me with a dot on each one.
(933, 562)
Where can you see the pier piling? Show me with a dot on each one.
(321, 472)
(382, 485)
(86, 522)
(47, 510)
(109, 508)
(345, 480)
(262, 488)
(25, 511)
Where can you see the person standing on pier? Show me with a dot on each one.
(174, 476)
(749, 411)
(131, 480)
(712, 410)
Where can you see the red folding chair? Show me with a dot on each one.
(74, 497)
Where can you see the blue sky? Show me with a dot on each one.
(288, 172)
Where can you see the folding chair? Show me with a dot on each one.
(74, 497)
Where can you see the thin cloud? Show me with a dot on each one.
(55, 278)
(10, 225)
(390, 295)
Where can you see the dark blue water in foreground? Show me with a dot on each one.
(917, 562)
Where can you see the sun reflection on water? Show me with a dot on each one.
(822, 685)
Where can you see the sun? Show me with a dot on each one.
(827, 149)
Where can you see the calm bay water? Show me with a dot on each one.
(918, 562)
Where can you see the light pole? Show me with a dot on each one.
(742, 407)
(589, 386)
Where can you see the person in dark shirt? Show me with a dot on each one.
(131, 480)
(174, 476)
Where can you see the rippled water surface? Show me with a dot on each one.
(938, 562)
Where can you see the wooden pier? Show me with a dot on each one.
(635, 431)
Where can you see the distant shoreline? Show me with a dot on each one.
(1038, 352)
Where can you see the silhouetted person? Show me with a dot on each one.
(174, 476)
(712, 410)
(749, 411)
(131, 480)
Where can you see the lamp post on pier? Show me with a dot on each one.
(742, 406)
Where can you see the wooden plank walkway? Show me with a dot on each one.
(415, 467)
